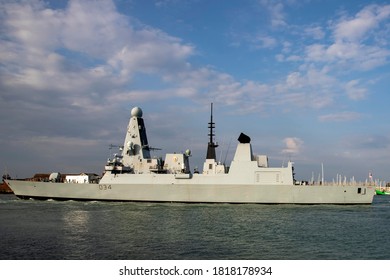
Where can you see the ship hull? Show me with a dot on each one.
(183, 192)
(136, 176)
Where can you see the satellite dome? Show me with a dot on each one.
(136, 112)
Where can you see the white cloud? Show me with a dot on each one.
(315, 52)
(287, 46)
(255, 41)
(294, 58)
(342, 51)
(355, 92)
(152, 52)
(340, 117)
(315, 32)
(309, 88)
(32, 24)
(94, 28)
(276, 11)
(355, 46)
(280, 58)
(264, 42)
(86, 47)
(345, 54)
(293, 145)
(93, 53)
(294, 80)
(165, 3)
(358, 27)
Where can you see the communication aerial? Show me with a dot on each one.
(211, 145)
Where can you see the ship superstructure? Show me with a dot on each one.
(136, 157)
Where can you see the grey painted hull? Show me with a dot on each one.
(196, 193)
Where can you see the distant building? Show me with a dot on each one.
(67, 178)
(82, 178)
(39, 177)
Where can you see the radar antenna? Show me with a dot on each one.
(211, 145)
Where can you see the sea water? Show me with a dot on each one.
(44, 230)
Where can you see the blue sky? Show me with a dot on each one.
(306, 80)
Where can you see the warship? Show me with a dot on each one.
(134, 175)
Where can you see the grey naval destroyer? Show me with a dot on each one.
(134, 175)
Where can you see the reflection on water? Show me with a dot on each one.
(76, 221)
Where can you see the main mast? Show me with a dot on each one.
(211, 145)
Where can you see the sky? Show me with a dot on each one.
(307, 80)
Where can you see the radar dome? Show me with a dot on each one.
(136, 112)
